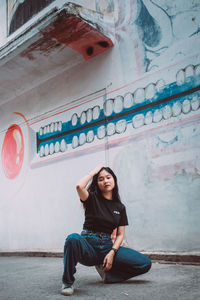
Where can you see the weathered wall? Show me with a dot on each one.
(135, 108)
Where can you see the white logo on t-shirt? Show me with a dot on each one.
(116, 212)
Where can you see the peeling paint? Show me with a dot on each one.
(77, 34)
(72, 31)
(44, 45)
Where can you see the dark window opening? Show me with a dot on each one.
(25, 11)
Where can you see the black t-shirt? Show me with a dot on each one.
(102, 215)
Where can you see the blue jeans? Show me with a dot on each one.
(90, 249)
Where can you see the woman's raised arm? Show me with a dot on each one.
(81, 186)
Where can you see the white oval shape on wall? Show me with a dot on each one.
(180, 77)
(110, 128)
(128, 100)
(186, 106)
(108, 107)
(101, 132)
(195, 102)
(82, 139)
(157, 116)
(51, 148)
(189, 71)
(59, 126)
(74, 119)
(160, 84)
(63, 146)
(46, 150)
(150, 91)
(90, 136)
(121, 126)
(89, 115)
(167, 112)
(96, 112)
(139, 96)
(148, 118)
(118, 104)
(83, 118)
(138, 121)
(41, 151)
(176, 109)
(57, 147)
(75, 142)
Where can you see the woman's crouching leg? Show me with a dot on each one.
(127, 263)
(76, 249)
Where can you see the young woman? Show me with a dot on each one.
(94, 247)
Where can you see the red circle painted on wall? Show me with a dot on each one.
(12, 154)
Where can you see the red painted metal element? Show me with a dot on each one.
(79, 35)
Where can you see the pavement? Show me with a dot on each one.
(27, 278)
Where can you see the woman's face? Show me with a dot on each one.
(105, 181)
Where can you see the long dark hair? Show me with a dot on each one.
(93, 187)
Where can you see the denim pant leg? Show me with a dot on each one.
(127, 263)
(77, 249)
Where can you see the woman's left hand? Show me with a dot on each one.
(108, 261)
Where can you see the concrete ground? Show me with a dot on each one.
(27, 278)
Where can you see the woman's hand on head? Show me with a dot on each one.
(81, 186)
(96, 169)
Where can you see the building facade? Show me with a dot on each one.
(89, 82)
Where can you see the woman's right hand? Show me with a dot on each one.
(81, 187)
(96, 169)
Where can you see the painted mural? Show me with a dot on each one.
(110, 118)
(20, 11)
(13, 151)
(116, 117)
(15, 159)
(150, 30)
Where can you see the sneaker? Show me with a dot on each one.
(101, 272)
(67, 290)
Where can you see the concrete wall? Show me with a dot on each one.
(134, 107)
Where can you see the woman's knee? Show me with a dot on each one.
(135, 260)
(147, 264)
(143, 266)
(72, 239)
